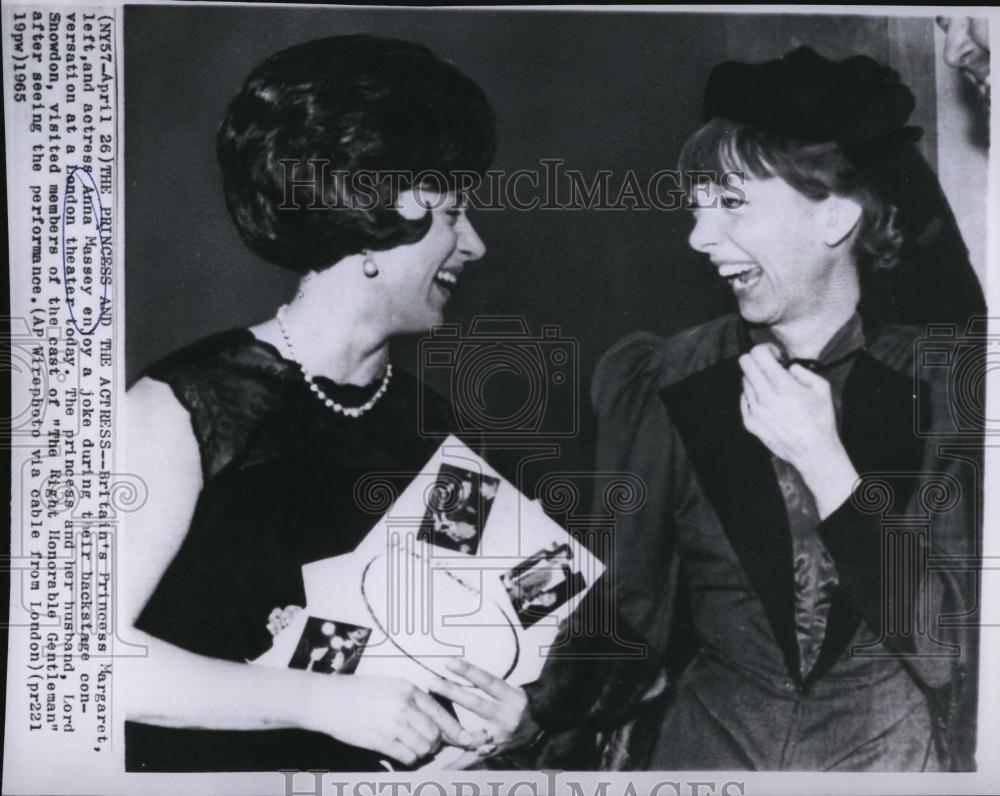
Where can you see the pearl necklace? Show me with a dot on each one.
(347, 411)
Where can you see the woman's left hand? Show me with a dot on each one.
(503, 706)
(791, 412)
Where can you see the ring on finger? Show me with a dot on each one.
(487, 747)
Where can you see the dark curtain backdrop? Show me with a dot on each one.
(615, 91)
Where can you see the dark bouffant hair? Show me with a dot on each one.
(321, 138)
(816, 171)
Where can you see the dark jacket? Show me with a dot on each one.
(713, 525)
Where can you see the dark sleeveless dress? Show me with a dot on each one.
(279, 471)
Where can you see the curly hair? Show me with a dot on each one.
(317, 144)
(817, 171)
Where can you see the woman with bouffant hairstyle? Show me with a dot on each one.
(345, 160)
(343, 124)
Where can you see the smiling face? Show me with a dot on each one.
(769, 242)
(416, 280)
(967, 49)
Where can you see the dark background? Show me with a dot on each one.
(616, 91)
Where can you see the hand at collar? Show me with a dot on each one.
(791, 411)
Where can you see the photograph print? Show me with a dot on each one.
(458, 506)
(543, 582)
(330, 647)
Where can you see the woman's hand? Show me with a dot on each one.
(503, 706)
(791, 412)
(386, 714)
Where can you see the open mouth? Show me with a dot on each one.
(741, 276)
(981, 82)
(446, 280)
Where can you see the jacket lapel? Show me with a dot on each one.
(878, 421)
(735, 471)
(877, 429)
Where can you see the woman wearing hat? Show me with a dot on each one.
(783, 446)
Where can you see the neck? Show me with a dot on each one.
(333, 328)
(805, 335)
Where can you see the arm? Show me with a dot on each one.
(595, 677)
(174, 687)
(792, 413)
(912, 571)
(905, 538)
(937, 546)
(608, 657)
(635, 436)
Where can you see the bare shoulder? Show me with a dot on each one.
(159, 437)
(153, 398)
(162, 451)
(151, 408)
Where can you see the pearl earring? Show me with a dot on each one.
(305, 280)
(368, 265)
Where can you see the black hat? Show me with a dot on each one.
(863, 107)
(857, 103)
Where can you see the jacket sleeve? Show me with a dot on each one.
(912, 576)
(635, 436)
(602, 671)
(911, 566)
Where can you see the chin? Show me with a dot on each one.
(759, 316)
(435, 320)
(427, 319)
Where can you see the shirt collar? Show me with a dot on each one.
(846, 342)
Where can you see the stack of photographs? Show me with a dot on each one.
(462, 565)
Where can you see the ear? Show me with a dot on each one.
(415, 202)
(840, 216)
